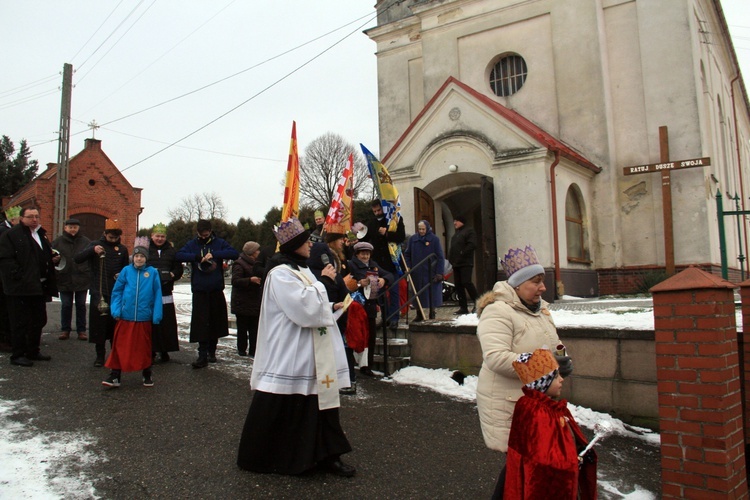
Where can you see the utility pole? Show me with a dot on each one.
(63, 152)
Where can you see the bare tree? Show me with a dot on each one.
(321, 167)
(199, 206)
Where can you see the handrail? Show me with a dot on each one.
(431, 262)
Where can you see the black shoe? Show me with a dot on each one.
(461, 311)
(418, 318)
(339, 468)
(148, 381)
(112, 381)
(39, 357)
(200, 363)
(365, 370)
(242, 353)
(212, 358)
(21, 361)
(349, 390)
(99, 361)
(164, 357)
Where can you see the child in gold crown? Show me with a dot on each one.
(545, 439)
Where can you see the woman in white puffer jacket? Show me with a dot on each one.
(513, 319)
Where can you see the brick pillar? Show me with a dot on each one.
(744, 351)
(698, 382)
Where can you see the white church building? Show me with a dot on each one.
(566, 124)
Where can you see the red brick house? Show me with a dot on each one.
(96, 191)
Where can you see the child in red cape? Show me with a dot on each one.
(545, 439)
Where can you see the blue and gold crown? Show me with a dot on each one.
(288, 230)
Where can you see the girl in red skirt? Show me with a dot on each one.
(136, 305)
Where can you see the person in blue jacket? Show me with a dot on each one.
(209, 322)
(136, 306)
(422, 244)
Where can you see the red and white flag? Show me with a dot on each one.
(339, 218)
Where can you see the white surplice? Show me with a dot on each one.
(291, 314)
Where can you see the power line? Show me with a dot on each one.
(24, 100)
(239, 72)
(97, 31)
(118, 40)
(251, 97)
(160, 57)
(223, 153)
(110, 35)
(29, 85)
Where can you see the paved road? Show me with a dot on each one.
(179, 439)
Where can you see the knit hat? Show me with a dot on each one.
(13, 212)
(290, 234)
(250, 247)
(159, 229)
(112, 226)
(141, 246)
(362, 245)
(460, 218)
(521, 265)
(536, 370)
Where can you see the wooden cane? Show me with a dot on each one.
(413, 288)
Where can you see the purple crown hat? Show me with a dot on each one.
(288, 230)
(141, 245)
(521, 265)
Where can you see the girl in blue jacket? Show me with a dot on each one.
(136, 305)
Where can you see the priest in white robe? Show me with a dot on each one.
(300, 365)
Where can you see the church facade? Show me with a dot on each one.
(527, 116)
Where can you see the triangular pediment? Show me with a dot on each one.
(458, 110)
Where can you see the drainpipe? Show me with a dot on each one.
(559, 288)
(739, 160)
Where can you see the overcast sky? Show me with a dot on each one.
(129, 56)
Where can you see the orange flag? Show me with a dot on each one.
(291, 186)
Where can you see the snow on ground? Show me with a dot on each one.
(28, 454)
(42, 465)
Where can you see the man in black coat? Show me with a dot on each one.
(461, 257)
(12, 217)
(27, 268)
(72, 280)
(379, 237)
(106, 258)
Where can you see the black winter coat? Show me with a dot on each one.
(246, 295)
(115, 258)
(463, 244)
(23, 264)
(164, 259)
(379, 242)
(74, 277)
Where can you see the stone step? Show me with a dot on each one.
(394, 363)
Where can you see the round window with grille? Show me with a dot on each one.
(508, 75)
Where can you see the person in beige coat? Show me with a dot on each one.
(513, 319)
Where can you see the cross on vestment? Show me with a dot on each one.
(328, 381)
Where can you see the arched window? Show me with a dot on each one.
(574, 226)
